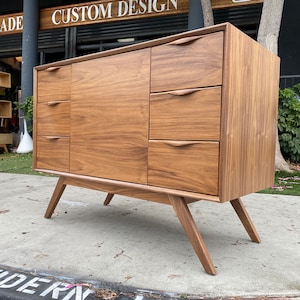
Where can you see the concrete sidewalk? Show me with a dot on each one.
(142, 244)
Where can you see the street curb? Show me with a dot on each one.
(16, 284)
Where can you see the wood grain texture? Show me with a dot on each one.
(249, 116)
(109, 117)
(108, 198)
(192, 166)
(57, 193)
(136, 190)
(191, 230)
(190, 64)
(109, 147)
(54, 119)
(201, 32)
(110, 112)
(55, 84)
(53, 153)
(243, 215)
(35, 116)
(194, 115)
(118, 188)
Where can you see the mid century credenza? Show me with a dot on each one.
(175, 120)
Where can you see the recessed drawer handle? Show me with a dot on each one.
(52, 138)
(180, 143)
(184, 41)
(183, 92)
(52, 103)
(52, 69)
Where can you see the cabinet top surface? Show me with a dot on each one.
(142, 45)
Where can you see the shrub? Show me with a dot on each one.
(27, 108)
(289, 122)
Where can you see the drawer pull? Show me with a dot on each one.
(184, 41)
(181, 143)
(52, 103)
(52, 138)
(183, 92)
(52, 69)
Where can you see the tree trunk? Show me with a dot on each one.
(268, 33)
(208, 16)
(269, 25)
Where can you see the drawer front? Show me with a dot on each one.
(52, 153)
(188, 166)
(187, 63)
(192, 114)
(54, 83)
(53, 118)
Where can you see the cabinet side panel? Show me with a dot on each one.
(109, 117)
(249, 116)
(34, 127)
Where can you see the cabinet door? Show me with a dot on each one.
(187, 63)
(191, 114)
(184, 165)
(109, 117)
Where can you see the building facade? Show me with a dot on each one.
(72, 28)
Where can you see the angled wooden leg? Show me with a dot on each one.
(58, 191)
(108, 198)
(184, 215)
(245, 219)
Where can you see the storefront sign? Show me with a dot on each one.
(11, 23)
(107, 11)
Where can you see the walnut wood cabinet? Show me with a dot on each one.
(187, 117)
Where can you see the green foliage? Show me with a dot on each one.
(27, 107)
(18, 164)
(289, 122)
(285, 183)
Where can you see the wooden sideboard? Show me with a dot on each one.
(174, 120)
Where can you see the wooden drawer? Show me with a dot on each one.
(52, 153)
(187, 63)
(184, 165)
(53, 118)
(54, 83)
(191, 114)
